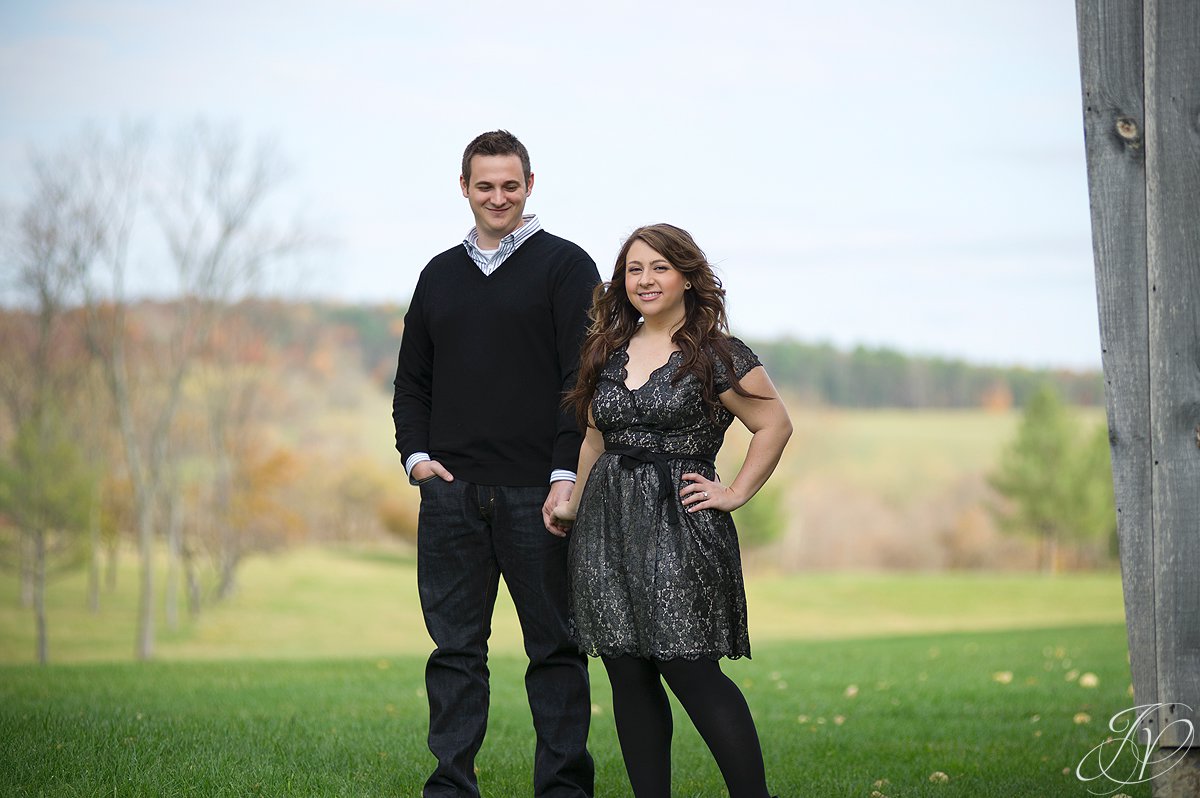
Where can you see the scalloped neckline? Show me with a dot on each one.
(624, 350)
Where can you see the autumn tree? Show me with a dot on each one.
(244, 508)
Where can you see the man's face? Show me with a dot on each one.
(497, 193)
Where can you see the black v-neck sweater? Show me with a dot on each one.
(485, 360)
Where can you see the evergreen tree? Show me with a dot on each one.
(1097, 518)
(1058, 482)
(46, 491)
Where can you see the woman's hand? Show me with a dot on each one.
(562, 518)
(708, 494)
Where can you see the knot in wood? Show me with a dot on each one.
(1128, 130)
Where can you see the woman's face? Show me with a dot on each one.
(653, 285)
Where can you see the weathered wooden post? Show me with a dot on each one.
(1140, 64)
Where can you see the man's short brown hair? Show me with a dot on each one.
(496, 142)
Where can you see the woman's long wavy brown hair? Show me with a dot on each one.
(614, 320)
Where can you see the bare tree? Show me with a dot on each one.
(46, 489)
(208, 204)
(211, 213)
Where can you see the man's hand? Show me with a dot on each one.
(428, 468)
(559, 492)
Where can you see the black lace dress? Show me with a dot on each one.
(645, 581)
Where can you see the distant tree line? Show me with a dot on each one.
(880, 377)
(862, 377)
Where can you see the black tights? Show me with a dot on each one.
(712, 701)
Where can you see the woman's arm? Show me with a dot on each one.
(564, 514)
(767, 420)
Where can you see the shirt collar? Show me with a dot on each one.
(531, 224)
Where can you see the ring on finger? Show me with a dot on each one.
(705, 494)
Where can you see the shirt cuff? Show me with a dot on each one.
(413, 459)
(559, 474)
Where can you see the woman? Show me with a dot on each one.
(656, 580)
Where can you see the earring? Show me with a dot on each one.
(686, 286)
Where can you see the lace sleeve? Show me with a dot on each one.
(744, 360)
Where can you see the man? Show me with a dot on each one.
(491, 341)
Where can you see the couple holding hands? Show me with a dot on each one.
(616, 542)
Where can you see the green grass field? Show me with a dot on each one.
(997, 712)
(309, 682)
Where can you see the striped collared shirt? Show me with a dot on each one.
(508, 244)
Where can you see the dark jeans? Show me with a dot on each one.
(467, 536)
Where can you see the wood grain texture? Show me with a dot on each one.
(1110, 49)
(1172, 67)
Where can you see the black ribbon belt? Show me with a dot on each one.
(633, 456)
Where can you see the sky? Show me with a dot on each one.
(909, 175)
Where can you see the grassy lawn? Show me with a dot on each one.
(309, 682)
(998, 712)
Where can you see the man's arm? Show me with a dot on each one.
(413, 396)
(572, 301)
(562, 515)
